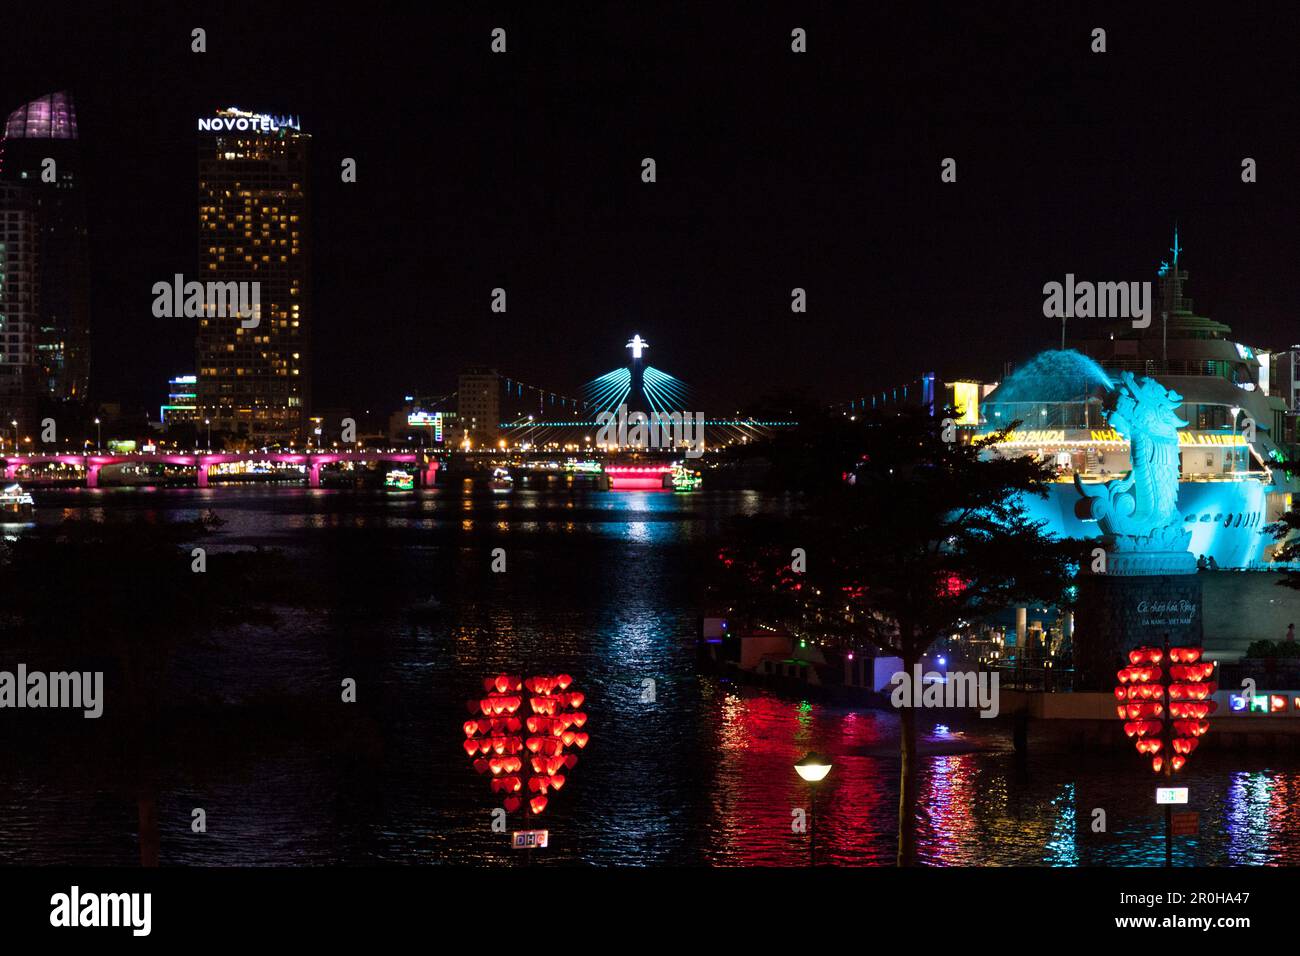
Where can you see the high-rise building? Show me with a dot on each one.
(1285, 384)
(40, 151)
(478, 407)
(255, 381)
(20, 289)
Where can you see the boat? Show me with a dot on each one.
(15, 501)
(399, 480)
(685, 479)
(502, 481)
(1233, 445)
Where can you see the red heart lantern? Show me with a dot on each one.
(553, 715)
(1144, 690)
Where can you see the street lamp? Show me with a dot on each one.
(813, 768)
(1236, 410)
(208, 422)
(99, 436)
(14, 423)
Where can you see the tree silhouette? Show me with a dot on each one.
(907, 537)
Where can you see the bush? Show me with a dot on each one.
(1262, 649)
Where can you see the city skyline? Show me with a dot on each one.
(544, 442)
(702, 262)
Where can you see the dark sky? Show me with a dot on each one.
(775, 170)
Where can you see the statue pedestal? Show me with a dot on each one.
(1117, 613)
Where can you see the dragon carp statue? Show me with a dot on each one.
(1138, 514)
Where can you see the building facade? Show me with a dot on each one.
(478, 408)
(20, 290)
(254, 375)
(181, 407)
(40, 151)
(1284, 383)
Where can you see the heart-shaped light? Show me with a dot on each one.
(494, 734)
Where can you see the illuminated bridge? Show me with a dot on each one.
(633, 388)
(203, 462)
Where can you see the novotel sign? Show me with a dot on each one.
(247, 123)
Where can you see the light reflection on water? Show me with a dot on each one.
(605, 586)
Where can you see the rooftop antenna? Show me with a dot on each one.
(1176, 287)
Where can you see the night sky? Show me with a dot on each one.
(775, 170)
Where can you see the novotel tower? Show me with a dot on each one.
(254, 373)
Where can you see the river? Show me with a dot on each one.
(606, 586)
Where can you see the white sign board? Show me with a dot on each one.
(1171, 794)
(528, 839)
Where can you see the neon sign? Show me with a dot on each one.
(237, 120)
(426, 420)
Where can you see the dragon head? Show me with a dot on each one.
(1144, 405)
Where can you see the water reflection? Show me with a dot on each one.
(681, 769)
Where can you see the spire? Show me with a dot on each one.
(1171, 288)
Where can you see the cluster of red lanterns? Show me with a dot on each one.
(496, 742)
(1165, 709)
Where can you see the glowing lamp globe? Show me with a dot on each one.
(813, 767)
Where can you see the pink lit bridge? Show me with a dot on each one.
(202, 462)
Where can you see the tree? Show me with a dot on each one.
(907, 536)
(1287, 533)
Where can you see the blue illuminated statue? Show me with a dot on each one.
(1138, 513)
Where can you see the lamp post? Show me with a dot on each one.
(14, 424)
(99, 436)
(813, 768)
(208, 422)
(1236, 410)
